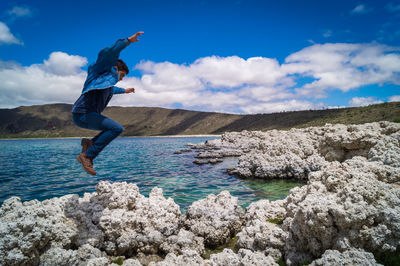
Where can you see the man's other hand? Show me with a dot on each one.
(134, 37)
(129, 90)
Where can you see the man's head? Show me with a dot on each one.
(122, 69)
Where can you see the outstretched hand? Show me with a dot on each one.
(134, 37)
(130, 90)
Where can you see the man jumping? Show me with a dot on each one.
(96, 93)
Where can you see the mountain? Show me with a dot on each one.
(55, 120)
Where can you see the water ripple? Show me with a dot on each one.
(46, 168)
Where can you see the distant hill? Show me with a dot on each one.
(55, 120)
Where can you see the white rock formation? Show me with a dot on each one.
(121, 221)
(227, 257)
(261, 231)
(215, 218)
(349, 257)
(115, 220)
(189, 257)
(27, 229)
(348, 210)
(297, 152)
(341, 207)
(242, 258)
(351, 200)
(184, 240)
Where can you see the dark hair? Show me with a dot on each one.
(121, 66)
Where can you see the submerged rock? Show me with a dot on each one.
(215, 161)
(211, 161)
(200, 162)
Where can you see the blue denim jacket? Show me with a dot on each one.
(102, 74)
(100, 81)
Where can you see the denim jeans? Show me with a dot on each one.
(109, 130)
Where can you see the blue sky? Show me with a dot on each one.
(229, 56)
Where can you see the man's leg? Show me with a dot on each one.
(110, 130)
(86, 143)
(87, 163)
(97, 136)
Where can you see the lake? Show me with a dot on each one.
(46, 168)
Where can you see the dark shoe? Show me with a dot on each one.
(87, 163)
(86, 143)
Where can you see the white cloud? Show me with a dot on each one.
(62, 64)
(335, 107)
(394, 98)
(20, 11)
(266, 94)
(256, 84)
(167, 77)
(41, 83)
(363, 101)
(234, 71)
(361, 9)
(210, 83)
(6, 36)
(225, 84)
(278, 106)
(343, 66)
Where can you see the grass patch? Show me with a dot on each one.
(396, 120)
(231, 244)
(281, 262)
(277, 220)
(119, 261)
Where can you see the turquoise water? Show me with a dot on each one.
(46, 168)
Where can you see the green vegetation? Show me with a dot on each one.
(119, 261)
(281, 262)
(277, 220)
(55, 120)
(231, 244)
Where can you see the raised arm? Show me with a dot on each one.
(109, 55)
(134, 37)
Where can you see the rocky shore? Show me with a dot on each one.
(348, 213)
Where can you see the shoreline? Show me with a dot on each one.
(164, 136)
(345, 214)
